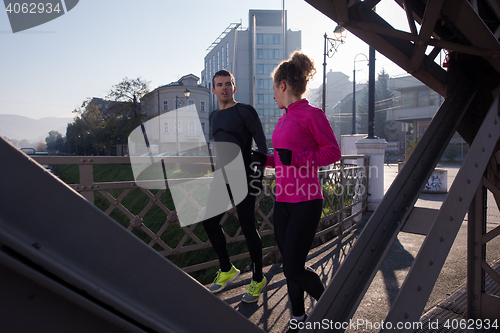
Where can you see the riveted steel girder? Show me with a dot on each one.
(353, 278)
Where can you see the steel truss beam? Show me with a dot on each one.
(453, 25)
(353, 278)
(481, 305)
(416, 289)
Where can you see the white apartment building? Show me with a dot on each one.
(167, 105)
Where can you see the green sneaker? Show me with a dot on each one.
(254, 291)
(223, 278)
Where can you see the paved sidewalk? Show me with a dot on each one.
(392, 273)
(272, 312)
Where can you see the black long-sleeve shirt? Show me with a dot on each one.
(239, 124)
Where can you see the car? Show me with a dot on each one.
(193, 153)
(168, 153)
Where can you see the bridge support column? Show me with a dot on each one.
(375, 148)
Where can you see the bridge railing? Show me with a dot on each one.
(344, 186)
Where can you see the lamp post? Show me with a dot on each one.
(186, 94)
(331, 45)
(354, 92)
(85, 143)
(371, 95)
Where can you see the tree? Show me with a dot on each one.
(129, 90)
(122, 118)
(41, 146)
(452, 151)
(94, 130)
(24, 143)
(383, 102)
(55, 141)
(362, 114)
(87, 126)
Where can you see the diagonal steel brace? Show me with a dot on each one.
(417, 287)
(342, 297)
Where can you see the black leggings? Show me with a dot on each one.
(295, 225)
(246, 217)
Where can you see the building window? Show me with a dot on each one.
(179, 126)
(165, 105)
(434, 98)
(191, 105)
(265, 99)
(423, 98)
(203, 127)
(218, 60)
(191, 128)
(222, 57)
(276, 39)
(262, 39)
(264, 84)
(264, 54)
(408, 100)
(227, 54)
(276, 53)
(260, 68)
(202, 106)
(265, 68)
(165, 127)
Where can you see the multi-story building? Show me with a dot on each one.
(415, 105)
(167, 105)
(412, 108)
(337, 87)
(251, 55)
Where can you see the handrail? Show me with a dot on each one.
(344, 186)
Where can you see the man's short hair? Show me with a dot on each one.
(222, 72)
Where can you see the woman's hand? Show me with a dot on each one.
(285, 155)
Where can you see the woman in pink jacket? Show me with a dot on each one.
(303, 141)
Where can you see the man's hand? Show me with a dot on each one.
(258, 157)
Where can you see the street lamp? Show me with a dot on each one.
(354, 92)
(186, 94)
(331, 45)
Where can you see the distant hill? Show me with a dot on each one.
(19, 127)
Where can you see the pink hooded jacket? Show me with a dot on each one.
(305, 130)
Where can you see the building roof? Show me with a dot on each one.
(230, 27)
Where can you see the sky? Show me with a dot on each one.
(49, 70)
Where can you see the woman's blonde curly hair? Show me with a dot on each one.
(296, 72)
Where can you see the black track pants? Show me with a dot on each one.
(246, 217)
(295, 225)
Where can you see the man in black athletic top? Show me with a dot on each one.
(237, 123)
